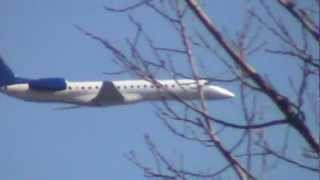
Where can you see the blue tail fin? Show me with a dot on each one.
(6, 75)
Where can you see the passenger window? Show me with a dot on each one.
(89, 87)
(145, 86)
(118, 87)
(82, 88)
(97, 87)
(125, 87)
(70, 88)
(132, 86)
(138, 86)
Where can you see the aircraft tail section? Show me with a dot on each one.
(6, 75)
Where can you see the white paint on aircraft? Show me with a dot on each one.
(105, 93)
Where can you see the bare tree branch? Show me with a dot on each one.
(302, 17)
(281, 101)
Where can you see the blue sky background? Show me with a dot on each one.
(37, 39)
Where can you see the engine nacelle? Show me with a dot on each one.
(49, 84)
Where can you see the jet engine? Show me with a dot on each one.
(48, 84)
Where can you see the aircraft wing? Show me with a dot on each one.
(108, 94)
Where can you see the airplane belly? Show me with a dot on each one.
(31, 95)
(169, 94)
(81, 98)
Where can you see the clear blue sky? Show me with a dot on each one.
(37, 39)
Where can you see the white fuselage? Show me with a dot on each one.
(106, 93)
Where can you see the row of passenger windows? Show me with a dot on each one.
(144, 86)
(83, 87)
(118, 87)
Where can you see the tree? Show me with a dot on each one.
(271, 30)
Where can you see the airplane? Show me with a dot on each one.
(105, 93)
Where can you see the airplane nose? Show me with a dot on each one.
(227, 94)
(217, 92)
